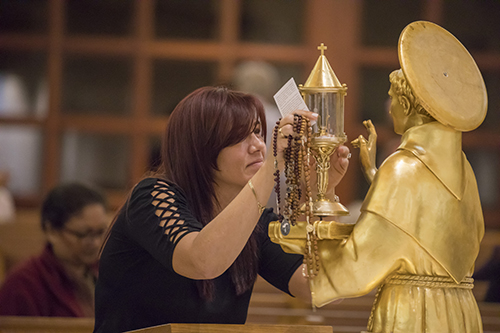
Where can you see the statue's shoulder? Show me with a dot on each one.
(400, 165)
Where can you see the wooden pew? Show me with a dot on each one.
(490, 313)
(20, 240)
(46, 325)
(231, 328)
(351, 315)
(271, 306)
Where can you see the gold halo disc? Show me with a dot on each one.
(443, 75)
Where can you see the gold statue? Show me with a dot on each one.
(421, 222)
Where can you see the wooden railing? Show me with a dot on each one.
(351, 315)
(46, 325)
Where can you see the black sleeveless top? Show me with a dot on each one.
(137, 286)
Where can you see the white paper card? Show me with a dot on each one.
(288, 98)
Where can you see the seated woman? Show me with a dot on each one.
(190, 241)
(60, 281)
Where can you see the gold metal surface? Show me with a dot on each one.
(296, 241)
(322, 148)
(421, 222)
(324, 94)
(322, 76)
(443, 75)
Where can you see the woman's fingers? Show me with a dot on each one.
(342, 159)
(284, 130)
(286, 124)
(343, 152)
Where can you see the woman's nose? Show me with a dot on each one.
(257, 142)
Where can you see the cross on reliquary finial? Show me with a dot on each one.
(322, 48)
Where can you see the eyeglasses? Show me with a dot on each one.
(89, 235)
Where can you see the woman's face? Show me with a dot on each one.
(238, 163)
(80, 239)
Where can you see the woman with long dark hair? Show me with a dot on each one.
(190, 241)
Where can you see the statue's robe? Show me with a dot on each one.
(421, 219)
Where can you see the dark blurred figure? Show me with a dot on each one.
(262, 79)
(60, 282)
(491, 272)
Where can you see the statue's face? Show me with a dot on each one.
(397, 112)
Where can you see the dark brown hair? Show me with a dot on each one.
(66, 201)
(202, 124)
(206, 121)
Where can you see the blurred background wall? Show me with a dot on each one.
(86, 86)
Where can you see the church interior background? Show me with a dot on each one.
(86, 86)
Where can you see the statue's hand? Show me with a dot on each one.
(367, 151)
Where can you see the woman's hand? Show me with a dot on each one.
(285, 129)
(368, 151)
(339, 162)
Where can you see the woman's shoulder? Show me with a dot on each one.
(149, 183)
(156, 184)
(149, 192)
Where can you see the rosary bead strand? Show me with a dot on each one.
(297, 164)
(277, 170)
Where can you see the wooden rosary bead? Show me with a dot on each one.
(297, 155)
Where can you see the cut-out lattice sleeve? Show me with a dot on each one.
(158, 217)
(166, 208)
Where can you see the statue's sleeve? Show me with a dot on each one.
(356, 265)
